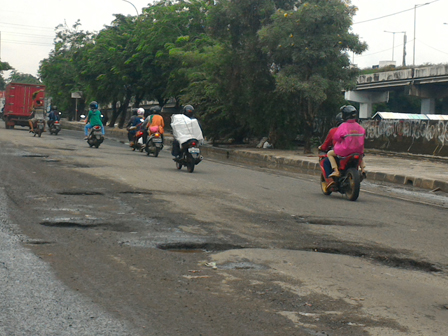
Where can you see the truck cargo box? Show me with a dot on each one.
(19, 99)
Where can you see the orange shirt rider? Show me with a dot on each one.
(157, 120)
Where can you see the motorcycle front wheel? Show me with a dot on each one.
(353, 184)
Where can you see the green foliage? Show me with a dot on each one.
(18, 77)
(308, 49)
(250, 67)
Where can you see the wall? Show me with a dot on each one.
(413, 136)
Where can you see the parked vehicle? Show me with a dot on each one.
(19, 99)
(39, 128)
(349, 183)
(55, 127)
(95, 138)
(190, 155)
(154, 144)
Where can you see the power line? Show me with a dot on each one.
(27, 43)
(20, 25)
(24, 34)
(382, 17)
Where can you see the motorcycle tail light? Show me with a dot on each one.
(193, 144)
(356, 157)
(139, 133)
(157, 135)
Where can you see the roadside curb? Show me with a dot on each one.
(271, 161)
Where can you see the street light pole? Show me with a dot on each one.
(133, 6)
(393, 40)
(415, 27)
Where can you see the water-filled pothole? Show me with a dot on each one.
(137, 192)
(390, 261)
(186, 247)
(35, 155)
(70, 225)
(80, 193)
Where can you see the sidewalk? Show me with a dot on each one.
(418, 171)
(421, 171)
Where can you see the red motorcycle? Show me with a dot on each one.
(349, 183)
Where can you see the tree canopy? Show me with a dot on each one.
(250, 67)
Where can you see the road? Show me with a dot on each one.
(112, 242)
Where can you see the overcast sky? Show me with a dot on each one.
(27, 28)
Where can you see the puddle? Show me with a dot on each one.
(136, 192)
(390, 261)
(242, 266)
(80, 193)
(35, 155)
(197, 247)
(70, 225)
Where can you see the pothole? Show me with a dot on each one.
(80, 193)
(70, 225)
(198, 247)
(244, 265)
(143, 192)
(37, 242)
(390, 261)
(35, 155)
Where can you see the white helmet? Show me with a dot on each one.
(141, 111)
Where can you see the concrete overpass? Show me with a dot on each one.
(428, 83)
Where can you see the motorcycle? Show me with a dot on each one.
(39, 128)
(190, 155)
(154, 144)
(93, 139)
(349, 183)
(55, 127)
(137, 140)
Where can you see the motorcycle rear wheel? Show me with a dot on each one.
(190, 164)
(323, 186)
(353, 184)
(178, 165)
(156, 152)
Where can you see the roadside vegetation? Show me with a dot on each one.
(251, 68)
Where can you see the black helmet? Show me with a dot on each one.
(349, 112)
(155, 109)
(339, 120)
(188, 110)
(94, 105)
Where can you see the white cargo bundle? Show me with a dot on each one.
(185, 128)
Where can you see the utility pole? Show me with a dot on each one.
(415, 28)
(404, 48)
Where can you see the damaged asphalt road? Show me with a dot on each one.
(111, 242)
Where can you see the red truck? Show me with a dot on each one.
(19, 102)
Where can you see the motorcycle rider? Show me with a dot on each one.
(188, 110)
(37, 114)
(349, 139)
(329, 142)
(93, 119)
(135, 120)
(53, 116)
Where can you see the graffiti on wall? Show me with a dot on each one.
(436, 131)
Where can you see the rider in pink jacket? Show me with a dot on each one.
(349, 139)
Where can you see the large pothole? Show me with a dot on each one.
(198, 247)
(387, 260)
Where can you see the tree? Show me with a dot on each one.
(59, 72)
(4, 66)
(18, 77)
(308, 48)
